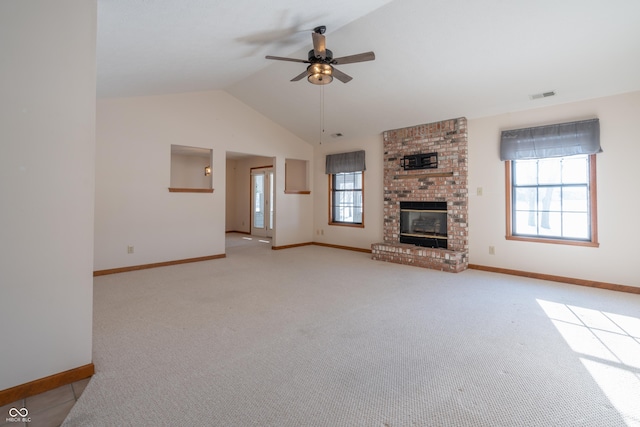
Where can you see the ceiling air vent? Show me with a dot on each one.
(543, 95)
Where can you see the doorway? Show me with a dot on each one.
(262, 206)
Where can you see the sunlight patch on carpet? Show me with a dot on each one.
(608, 345)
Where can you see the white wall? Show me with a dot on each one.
(47, 148)
(618, 204)
(133, 204)
(373, 194)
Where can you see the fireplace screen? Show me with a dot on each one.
(424, 224)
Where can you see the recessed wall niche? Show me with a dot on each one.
(296, 176)
(191, 169)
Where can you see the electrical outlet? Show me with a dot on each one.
(479, 191)
(129, 249)
(322, 231)
(492, 250)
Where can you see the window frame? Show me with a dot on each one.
(331, 196)
(593, 242)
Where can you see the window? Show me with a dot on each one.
(552, 199)
(346, 198)
(551, 182)
(346, 188)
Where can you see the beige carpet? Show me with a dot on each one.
(315, 336)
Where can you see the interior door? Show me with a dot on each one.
(262, 209)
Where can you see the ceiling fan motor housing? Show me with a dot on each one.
(328, 56)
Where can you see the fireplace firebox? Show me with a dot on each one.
(424, 224)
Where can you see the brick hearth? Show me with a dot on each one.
(447, 183)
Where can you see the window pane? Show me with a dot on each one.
(575, 170)
(347, 198)
(347, 214)
(550, 224)
(575, 199)
(357, 214)
(345, 181)
(357, 198)
(525, 198)
(336, 213)
(349, 181)
(526, 223)
(575, 225)
(258, 199)
(526, 172)
(550, 171)
(550, 199)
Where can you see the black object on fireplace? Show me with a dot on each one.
(420, 161)
(424, 224)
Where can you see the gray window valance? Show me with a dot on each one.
(564, 139)
(345, 162)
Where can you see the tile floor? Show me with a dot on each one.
(48, 409)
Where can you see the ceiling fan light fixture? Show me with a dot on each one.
(320, 74)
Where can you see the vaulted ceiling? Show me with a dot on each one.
(435, 59)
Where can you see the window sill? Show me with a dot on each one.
(424, 175)
(346, 224)
(554, 241)
(190, 190)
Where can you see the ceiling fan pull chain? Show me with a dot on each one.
(321, 113)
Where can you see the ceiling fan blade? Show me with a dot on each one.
(360, 57)
(319, 47)
(300, 76)
(344, 78)
(280, 58)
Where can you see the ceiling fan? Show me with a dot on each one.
(321, 70)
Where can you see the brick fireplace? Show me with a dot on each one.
(442, 181)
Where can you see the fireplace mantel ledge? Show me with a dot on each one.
(424, 175)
